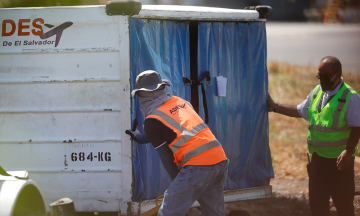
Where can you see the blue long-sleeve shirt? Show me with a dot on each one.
(160, 136)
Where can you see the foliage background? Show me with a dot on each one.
(47, 3)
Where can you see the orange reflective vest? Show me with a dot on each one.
(195, 144)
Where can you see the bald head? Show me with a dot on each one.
(333, 63)
(329, 73)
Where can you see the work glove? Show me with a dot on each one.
(133, 134)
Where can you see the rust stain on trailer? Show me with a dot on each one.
(129, 208)
(53, 119)
(102, 201)
(65, 161)
(65, 81)
(41, 77)
(131, 191)
(69, 141)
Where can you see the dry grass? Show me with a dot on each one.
(290, 84)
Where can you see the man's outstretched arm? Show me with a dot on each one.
(288, 110)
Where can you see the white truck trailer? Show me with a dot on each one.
(66, 74)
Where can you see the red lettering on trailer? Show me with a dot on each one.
(13, 28)
(34, 23)
(23, 25)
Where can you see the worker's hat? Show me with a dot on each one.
(149, 81)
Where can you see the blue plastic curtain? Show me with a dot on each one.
(162, 46)
(237, 51)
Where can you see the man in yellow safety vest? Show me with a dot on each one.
(333, 112)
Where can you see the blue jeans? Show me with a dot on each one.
(202, 183)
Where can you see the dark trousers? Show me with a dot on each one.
(326, 181)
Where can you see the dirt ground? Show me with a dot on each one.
(289, 198)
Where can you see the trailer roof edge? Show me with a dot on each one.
(199, 19)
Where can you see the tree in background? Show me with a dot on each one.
(47, 3)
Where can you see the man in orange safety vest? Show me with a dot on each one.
(198, 163)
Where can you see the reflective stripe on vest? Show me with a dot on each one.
(199, 150)
(340, 107)
(326, 129)
(316, 94)
(328, 143)
(187, 134)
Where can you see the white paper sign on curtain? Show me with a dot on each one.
(221, 86)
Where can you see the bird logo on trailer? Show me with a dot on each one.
(9, 28)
